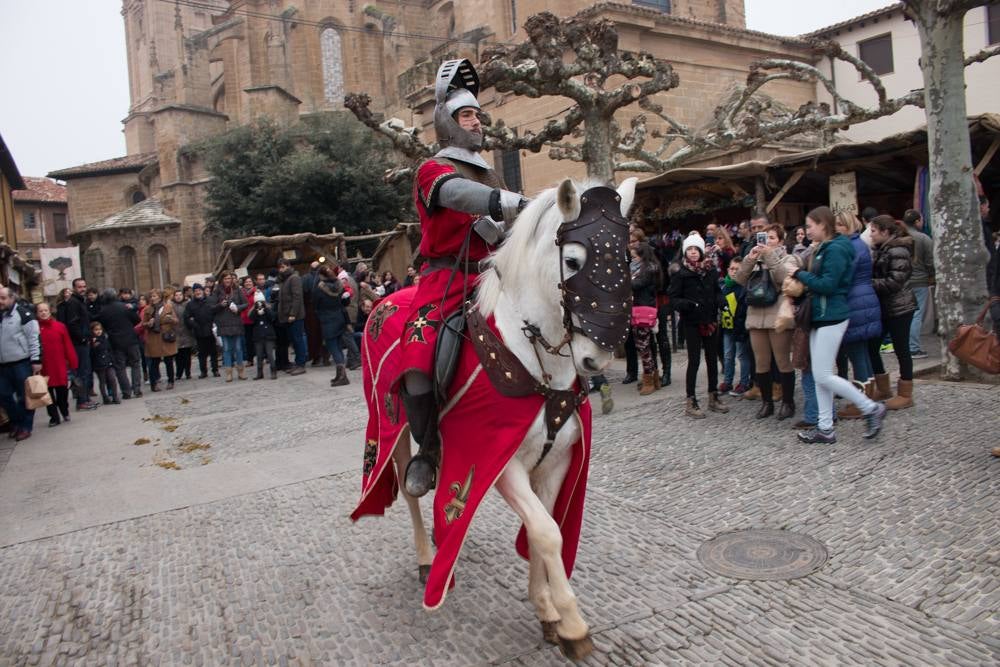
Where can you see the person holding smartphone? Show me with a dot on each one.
(769, 261)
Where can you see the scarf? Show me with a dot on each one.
(701, 267)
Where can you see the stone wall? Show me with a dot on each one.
(94, 198)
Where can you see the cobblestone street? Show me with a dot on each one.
(245, 555)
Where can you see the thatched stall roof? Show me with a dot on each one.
(398, 249)
(263, 252)
(887, 165)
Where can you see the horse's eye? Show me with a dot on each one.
(572, 264)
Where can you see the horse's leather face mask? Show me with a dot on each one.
(600, 293)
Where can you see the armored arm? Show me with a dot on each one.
(466, 195)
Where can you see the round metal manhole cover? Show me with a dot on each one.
(762, 554)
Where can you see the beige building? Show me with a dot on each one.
(42, 217)
(890, 45)
(196, 69)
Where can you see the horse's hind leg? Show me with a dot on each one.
(425, 552)
(544, 536)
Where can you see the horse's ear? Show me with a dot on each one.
(568, 200)
(627, 192)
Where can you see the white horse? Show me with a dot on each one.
(523, 284)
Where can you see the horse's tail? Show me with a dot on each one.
(381, 363)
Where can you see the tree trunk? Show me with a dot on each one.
(959, 255)
(597, 153)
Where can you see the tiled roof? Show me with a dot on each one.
(42, 190)
(147, 213)
(857, 19)
(113, 166)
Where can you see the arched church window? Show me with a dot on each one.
(138, 196)
(93, 267)
(128, 271)
(333, 66)
(159, 266)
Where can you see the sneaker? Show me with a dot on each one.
(887, 348)
(54, 422)
(86, 406)
(873, 421)
(919, 354)
(724, 387)
(738, 390)
(818, 435)
(297, 370)
(22, 435)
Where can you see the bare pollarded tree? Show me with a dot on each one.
(576, 57)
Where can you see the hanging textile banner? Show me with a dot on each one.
(60, 266)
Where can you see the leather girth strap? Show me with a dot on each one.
(512, 379)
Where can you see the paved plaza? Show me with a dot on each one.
(208, 526)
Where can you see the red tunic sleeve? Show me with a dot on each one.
(443, 230)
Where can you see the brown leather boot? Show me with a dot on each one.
(647, 387)
(714, 404)
(904, 397)
(229, 373)
(850, 411)
(693, 410)
(656, 380)
(883, 391)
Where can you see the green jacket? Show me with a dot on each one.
(829, 279)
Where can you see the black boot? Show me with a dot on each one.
(787, 396)
(766, 395)
(341, 378)
(421, 413)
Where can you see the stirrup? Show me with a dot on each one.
(415, 479)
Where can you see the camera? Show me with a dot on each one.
(761, 238)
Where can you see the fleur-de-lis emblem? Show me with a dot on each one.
(453, 510)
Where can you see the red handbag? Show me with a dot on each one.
(976, 345)
(643, 316)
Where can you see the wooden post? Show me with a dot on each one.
(760, 195)
(792, 180)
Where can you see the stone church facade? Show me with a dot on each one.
(198, 68)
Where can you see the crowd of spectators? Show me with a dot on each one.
(107, 346)
(759, 302)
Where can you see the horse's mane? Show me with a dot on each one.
(517, 258)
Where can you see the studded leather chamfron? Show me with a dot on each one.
(600, 293)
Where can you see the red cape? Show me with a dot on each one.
(479, 434)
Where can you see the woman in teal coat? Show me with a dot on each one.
(827, 281)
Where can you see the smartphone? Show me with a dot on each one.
(761, 238)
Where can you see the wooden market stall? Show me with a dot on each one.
(889, 174)
(261, 253)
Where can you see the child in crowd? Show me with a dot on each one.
(264, 335)
(101, 360)
(735, 338)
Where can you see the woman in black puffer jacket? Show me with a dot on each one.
(695, 294)
(892, 265)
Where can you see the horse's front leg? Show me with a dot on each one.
(546, 480)
(425, 552)
(546, 541)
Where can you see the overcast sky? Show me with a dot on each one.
(66, 81)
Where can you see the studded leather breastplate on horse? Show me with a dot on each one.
(600, 293)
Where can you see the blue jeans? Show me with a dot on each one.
(232, 351)
(857, 354)
(810, 408)
(334, 348)
(12, 377)
(734, 348)
(297, 335)
(918, 317)
(84, 374)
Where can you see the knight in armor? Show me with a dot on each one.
(464, 212)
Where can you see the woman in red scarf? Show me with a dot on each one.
(249, 292)
(58, 355)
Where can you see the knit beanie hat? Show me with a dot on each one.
(694, 239)
(258, 297)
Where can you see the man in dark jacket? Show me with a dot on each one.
(198, 318)
(292, 312)
(119, 323)
(77, 321)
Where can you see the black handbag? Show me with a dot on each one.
(761, 291)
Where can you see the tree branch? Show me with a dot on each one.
(980, 56)
(405, 139)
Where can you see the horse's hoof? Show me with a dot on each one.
(576, 649)
(549, 632)
(424, 571)
(420, 476)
